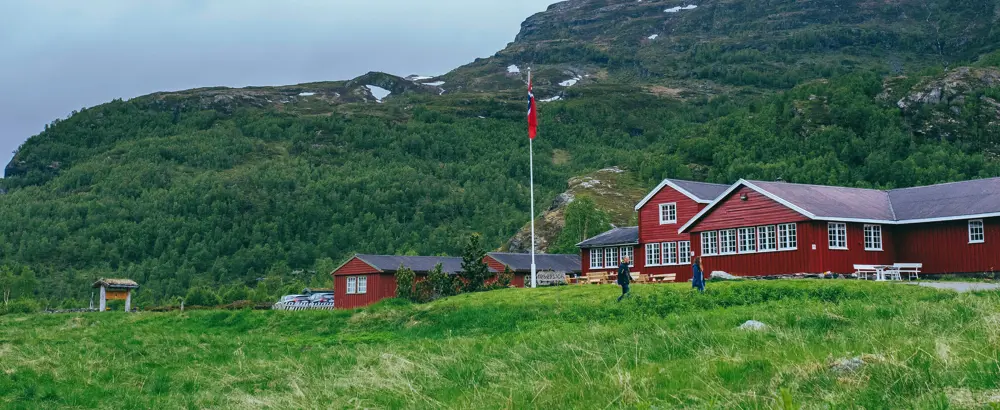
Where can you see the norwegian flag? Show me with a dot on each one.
(532, 111)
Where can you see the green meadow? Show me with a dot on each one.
(828, 344)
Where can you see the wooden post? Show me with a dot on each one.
(104, 299)
(128, 300)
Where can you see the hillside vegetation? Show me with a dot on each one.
(828, 344)
(219, 186)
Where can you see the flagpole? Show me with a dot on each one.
(531, 173)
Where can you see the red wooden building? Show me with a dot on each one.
(765, 228)
(655, 246)
(366, 279)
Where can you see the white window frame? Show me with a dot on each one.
(873, 233)
(788, 237)
(684, 252)
(630, 253)
(352, 285)
(747, 238)
(599, 253)
(652, 254)
(611, 257)
(362, 285)
(669, 253)
(728, 242)
(977, 231)
(671, 217)
(767, 238)
(836, 236)
(710, 243)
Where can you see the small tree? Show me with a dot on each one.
(404, 283)
(504, 279)
(201, 296)
(442, 283)
(474, 269)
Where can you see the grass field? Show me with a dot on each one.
(565, 347)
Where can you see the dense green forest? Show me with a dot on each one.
(179, 195)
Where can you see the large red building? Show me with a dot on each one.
(366, 279)
(765, 228)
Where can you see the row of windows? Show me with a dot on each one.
(837, 236)
(768, 238)
(668, 253)
(357, 285)
(608, 257)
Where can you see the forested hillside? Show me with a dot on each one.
(222, 186)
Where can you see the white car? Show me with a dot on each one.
(293, 299)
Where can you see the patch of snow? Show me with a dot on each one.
(378, 92)
(753, 325)
(653, 37)
(482, 117)
(306, 94)
(418, 77)
(614, 170)
(513, 69)
(435, 84)
(679, 8)
(571, 82)
(551, 99)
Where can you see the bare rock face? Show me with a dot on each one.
(953, 106)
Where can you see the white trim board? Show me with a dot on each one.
(671, 184)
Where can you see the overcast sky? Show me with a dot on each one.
(57, 56)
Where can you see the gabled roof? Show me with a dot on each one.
(963, 199)
(521, 262)
(116, 283)
(617, 236)
(418, 264)
(700, 192)
(942, 202)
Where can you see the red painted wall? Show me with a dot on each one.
(944, 247)
(380, 286)
(804, 259)
(650, 229)
(756, 210)
(585, 261)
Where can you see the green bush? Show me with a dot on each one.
(22, 305)
(201, 296)
(404, 283)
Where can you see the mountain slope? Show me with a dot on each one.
(218, 186)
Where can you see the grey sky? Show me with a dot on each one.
(60, 55)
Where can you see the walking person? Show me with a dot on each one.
(698, 277)
(624, 277)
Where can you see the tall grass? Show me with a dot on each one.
(564, 347)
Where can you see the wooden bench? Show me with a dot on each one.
(911, 270)
(666, 277)
(864, 270)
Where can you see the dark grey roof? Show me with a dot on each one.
(521, 262)
(617, 236)
(419, 264)
(976, 197)
(833, 201)
(703, 190)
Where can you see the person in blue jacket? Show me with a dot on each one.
(624, 277)
(698, 278)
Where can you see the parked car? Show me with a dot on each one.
(294, 299)
(321, 298)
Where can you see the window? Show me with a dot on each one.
(873, 237)
(748, 240)
(362, 284)
(596, 258)
(977, 232)
(628, 252)
(610, 257)
(684, 251)
(652, 254)
(710, 243)
(727, 242)
(766, 238)
(669, 253)
(352, 285)
(787, 237)
(668, 213)
(837, 233)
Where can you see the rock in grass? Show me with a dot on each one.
(720, 275)
(853, 364)
(753, 325)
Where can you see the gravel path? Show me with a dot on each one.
(961, 286)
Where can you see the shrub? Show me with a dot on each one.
(442, 284)
(474, 270)
(201, 296)
(423, 292)
(504, 278)
(404, 283)
(22, 305)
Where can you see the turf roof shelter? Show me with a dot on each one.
(116, 289)
(366, 279)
